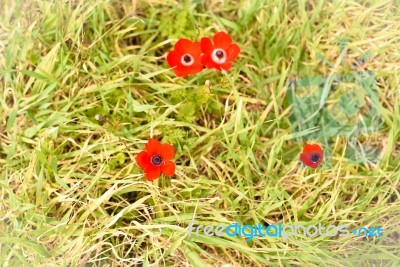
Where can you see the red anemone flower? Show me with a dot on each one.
(312, 155)
(221, 53)
(185, 58)
(156, 159)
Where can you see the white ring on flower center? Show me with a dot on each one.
(187, 60)
(215, 58)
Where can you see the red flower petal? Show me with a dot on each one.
(152, 173)
(182, 47)
(206, 45)
(312, 148)
(320, 155)
(308, 152)
(233, 52)
(306, 159)
(185, 71)
(153, 147)
(226, 65)
(173, 59)
(196, 69)
(185, 46)
(143, 160)
(207, 61)
(181, 72)
(195, 50)
(167, 152)
(168, 169)
(222, 40)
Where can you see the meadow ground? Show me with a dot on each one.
(71, 191)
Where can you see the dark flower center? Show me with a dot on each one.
(187, 58)
(314, 157)
(156, 160)
(219, 54)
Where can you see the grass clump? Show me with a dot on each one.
(71, 191)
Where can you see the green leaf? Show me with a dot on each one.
(11, 119)
(28, 244)
(194, 258)
(141, 108)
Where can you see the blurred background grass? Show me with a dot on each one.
(71, 192)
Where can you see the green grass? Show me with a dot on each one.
(72, 194)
